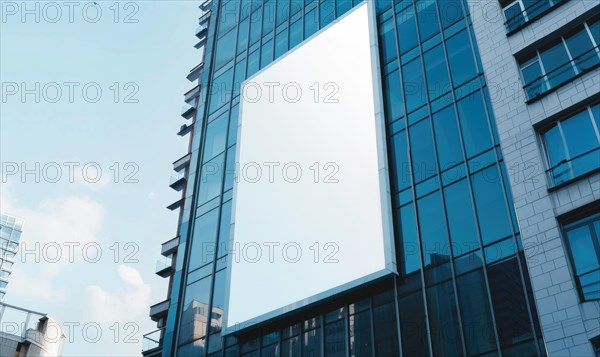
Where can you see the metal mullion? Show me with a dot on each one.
(372, 320)
(589, 32)
(505, 194)
(592, 118)
(346, 329)
(564, 42)
(565, 146)
(429, 111)
(414, 195)
(397, 312)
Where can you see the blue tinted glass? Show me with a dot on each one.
(514, 16)
(326, 13)
(423, 156)
(388, 41)
(582, 50)
(255, 23)
(409, 239)
(335, 339)
(407, 29)
(225, 49)
(579, 134)
(436, 71)
(341, 6)
(210, 184)
(295, 33)
(400, 161)
(596, 114)
(215, 137)
(253, 63)
(283, 11)
(204, 240)
(463, 233)
(268, 17)
(266, 56)
(534, 8)
(311, 23)
(281, 43)
(224, 229)
(554, 147)
(384, 326)
(475, 312)
(414, 85)
(394, 105)
(460, 55)
(413, 325)
(290, 347)
(474, 124)
(450, 12)
(557, 65)
(433, 231)
(427, 18)
(218, 301)
(500, 250)
(195, 311)
(239, 76)
(443, 320)
(532, 72)
(233, 126)
(595, 30)
(221, 90)
(360, 334)
(491, 208)
(447, 138)
(243, 30)
(228, 17)
(229, 169)
(296, 7)
(583, 252)
(312, 343)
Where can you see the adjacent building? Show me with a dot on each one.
(10, 236)
(490, 126)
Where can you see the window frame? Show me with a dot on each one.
(528, 19)
(544, 146)
(584, 217)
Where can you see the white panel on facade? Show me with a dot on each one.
(312, 211)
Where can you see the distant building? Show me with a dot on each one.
(10, 235)
(26, 333)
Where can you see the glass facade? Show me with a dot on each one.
(10, 236)
(463, 287)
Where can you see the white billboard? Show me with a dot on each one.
(312, 211)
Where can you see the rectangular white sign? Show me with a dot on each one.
(312, 211)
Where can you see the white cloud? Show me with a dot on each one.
(25, 286)
(122, 305)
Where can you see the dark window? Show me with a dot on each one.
(335, 339)
(583, 241)
(447, 138)
(433, 231)
(520, 12)
(438, 82)
(573, 146)
(474, 124)
(388, 41)
(443, 320)
(414, 84)
(386, 336)
(463, 231)
(407, 29)
(360, 334)
(422, 150)
(411, 260)
(460, 55)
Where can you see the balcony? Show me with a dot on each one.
(187, 111)
(201, 30)
(160, 310)
(206, 6)
(169, 247)
(177, 181)
(177, 204)
(152, 343)
(164, 267)
(185, 129)
(204, 18)
(195, 72)
(182, 162)
(192, 93)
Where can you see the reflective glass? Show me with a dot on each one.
(220, 92)
(384, 326)
(447, 138)
(281, 43)
(224, 229)
(360, 334)
(243, 30)
(427, 19)
(414, 84)
(204, 239)
(463, 232)
(311, 23)
(474, 124)
(195, 311)
(225, 49)
(400, 163)
(407, 29)
(290, 347)
(268, 17)
(491, 209)
(295, 33)
(218, 301)
(335, 339)
(410, 250)
(433, 231)
(394, 105)
(210, 184)
(532, 75)
(581, 138)
(436, 71)
(311, 344)
(326, 10)
(216, 137)
(388, 41)
(443, 320)
(460, 55)
(283, 11)
(582, 50)
(595, 31)
(422, 150)
(585, 258)
(514, 16)
(557, 64)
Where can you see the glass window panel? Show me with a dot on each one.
(268, 17)
(270, 351)
(433, 231)
(595, 30)
(326, 14)
(468, 263)
(255, 23)
(283, 11)
(491, 209)
(229, 16)
(216, 137)
(532, 72)
(230, 168)
(225, 49)
(555, 149)
(422, 150)
(508, 299)
(413, 325)
(233, 126)
(394, 105)
(475, 312)
(447, 138)
(335, 339)
(596, 114)
(400, 160)
(195, 311)
(460, 56)
(386, 333)
(579, 134)
(311, 23)
(311, 346)
(281, 43)
(407, 29)
(463, 232)
(443, 320)
(388, 41)
(290, 347)
(220, 92)
(556, 63)
(203, 240)
(218, 301)
(474, 124)
(243, 31)
(536, 7)
(500, 250)
(239, 76)
(582, 50)
(296, 7)
(211, 180)
(450, 12)
(410, 243)
(427, 18)
(266, 53)
(436, 72)
(341, 6)
(296, 33)
(360, 334)
(224, 229)
(414, 84)
(514, 16)
(585, 258)
(193, 349)
(253, 63)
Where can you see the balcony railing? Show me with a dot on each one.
(570, 169)
(534, 11)
(152, 340)
(164, 267)
(584, 63)
(170, 246)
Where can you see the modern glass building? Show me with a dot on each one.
(492, 133)
(10, 236)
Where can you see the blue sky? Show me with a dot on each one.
(109, 213)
